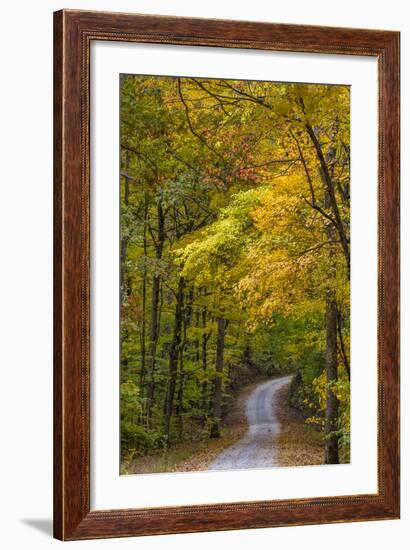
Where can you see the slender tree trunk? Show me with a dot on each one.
(144, 297)
(197, 326)
(154, 333)
(173, 356)
(204, 361)
(219, 365)
(343, 353)
(204, 342)
(188, 307)
(180, 395)
(332, 405)
(153, 341)
(124, 239)
(181, 383)
(331, 197)
(124, 290)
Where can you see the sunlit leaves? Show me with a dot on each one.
(247, 224)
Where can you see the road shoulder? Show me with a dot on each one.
(298, 444)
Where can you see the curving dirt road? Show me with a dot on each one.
(257, 448)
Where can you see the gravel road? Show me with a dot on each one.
(257, 449)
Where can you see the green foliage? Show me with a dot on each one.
(134, 437)
(224, 216)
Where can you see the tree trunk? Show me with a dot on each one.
(144, 296)
(180, 396)
(204, 361)
(219, 365)
(330, 192)
(181, 384)
(332, 404)
(154, 333)
(331, 441)
(343, 353)
(173, 356)
(197, 326)
(124, 239)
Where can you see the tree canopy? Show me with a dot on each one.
(235, 254)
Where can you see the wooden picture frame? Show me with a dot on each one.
(73, 33)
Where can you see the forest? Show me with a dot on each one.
(234, 257)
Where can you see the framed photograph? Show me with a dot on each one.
(226, 275)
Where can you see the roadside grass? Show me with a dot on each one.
(299, 444)
(188, 456)
(195, 456)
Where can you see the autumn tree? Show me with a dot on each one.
(235, 252)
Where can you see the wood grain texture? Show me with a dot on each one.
(73, 32)
(57, 302)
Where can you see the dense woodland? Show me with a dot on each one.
(235, 255)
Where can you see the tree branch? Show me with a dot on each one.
(193, 131)
(330, 189)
